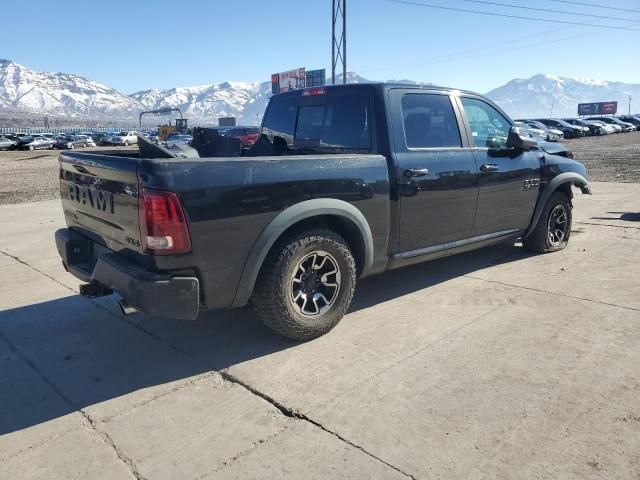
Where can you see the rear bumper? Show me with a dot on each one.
(158, 294)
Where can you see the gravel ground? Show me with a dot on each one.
(612, 158)
(33, 176)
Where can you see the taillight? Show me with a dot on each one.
(313, 91)
(163, 225)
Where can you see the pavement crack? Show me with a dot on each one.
(243, 453)
(564, 295)
(175, 388)
(283, 409)
(607, 225)
(89, 422)
(420, 350)
(296, 415)
(50, 277)
(38, 444)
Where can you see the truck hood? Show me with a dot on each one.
(553, 148)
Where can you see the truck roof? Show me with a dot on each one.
(382, 86)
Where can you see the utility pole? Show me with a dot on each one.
(553, 100)
(629, 105)
(339, 39)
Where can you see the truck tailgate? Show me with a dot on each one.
(100, 198)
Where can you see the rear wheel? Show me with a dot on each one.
(554, 227)
(31, 147)
(306, 284)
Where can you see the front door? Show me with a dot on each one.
(436, 171)
(509, 185)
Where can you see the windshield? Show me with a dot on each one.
(563, 123)
(538, 125)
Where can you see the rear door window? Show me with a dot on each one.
(429, 121)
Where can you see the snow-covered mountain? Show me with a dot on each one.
(533, 97)
(24, 90)
(27, 95)
(205, 103)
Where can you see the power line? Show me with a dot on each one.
(482, 51)
(477, 12)
(595, 5)
(546, 10)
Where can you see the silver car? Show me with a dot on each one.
(533, 132)
(7, 144)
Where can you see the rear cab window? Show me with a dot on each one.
(339, 121)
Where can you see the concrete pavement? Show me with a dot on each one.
(493, 364)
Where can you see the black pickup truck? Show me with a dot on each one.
(345, 181)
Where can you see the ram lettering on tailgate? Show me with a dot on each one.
(98, 199)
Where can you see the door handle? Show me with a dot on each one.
(416, 172)
(489, 167)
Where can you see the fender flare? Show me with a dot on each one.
(554, 184)
(288, 218)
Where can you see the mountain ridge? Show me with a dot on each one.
(27, 94)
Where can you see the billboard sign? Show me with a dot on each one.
(598, 108)
(289, 80)
(316, 78)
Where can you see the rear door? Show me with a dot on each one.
(437, 172)
(508, 185)
(100, 198)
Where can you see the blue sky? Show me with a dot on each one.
(160, 44)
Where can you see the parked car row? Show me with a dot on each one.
(556, 129)
(42, 141)
(37, 141)
(538, 129)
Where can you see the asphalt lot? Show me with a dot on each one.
(492, 364)
(32, 176)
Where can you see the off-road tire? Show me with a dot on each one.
(539, 241)
(272, 295)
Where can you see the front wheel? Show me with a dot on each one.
(126, 143)
(306, 284)
(554, 227)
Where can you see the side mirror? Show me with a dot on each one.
(519, 141)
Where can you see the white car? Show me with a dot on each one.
(124, 138)
(532, 131)
(609, 129)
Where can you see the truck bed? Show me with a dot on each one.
(228, 202)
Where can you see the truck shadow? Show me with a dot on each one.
(70, 353)
(625, 216)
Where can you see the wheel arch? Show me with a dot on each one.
(563, 182)
(338, 215)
